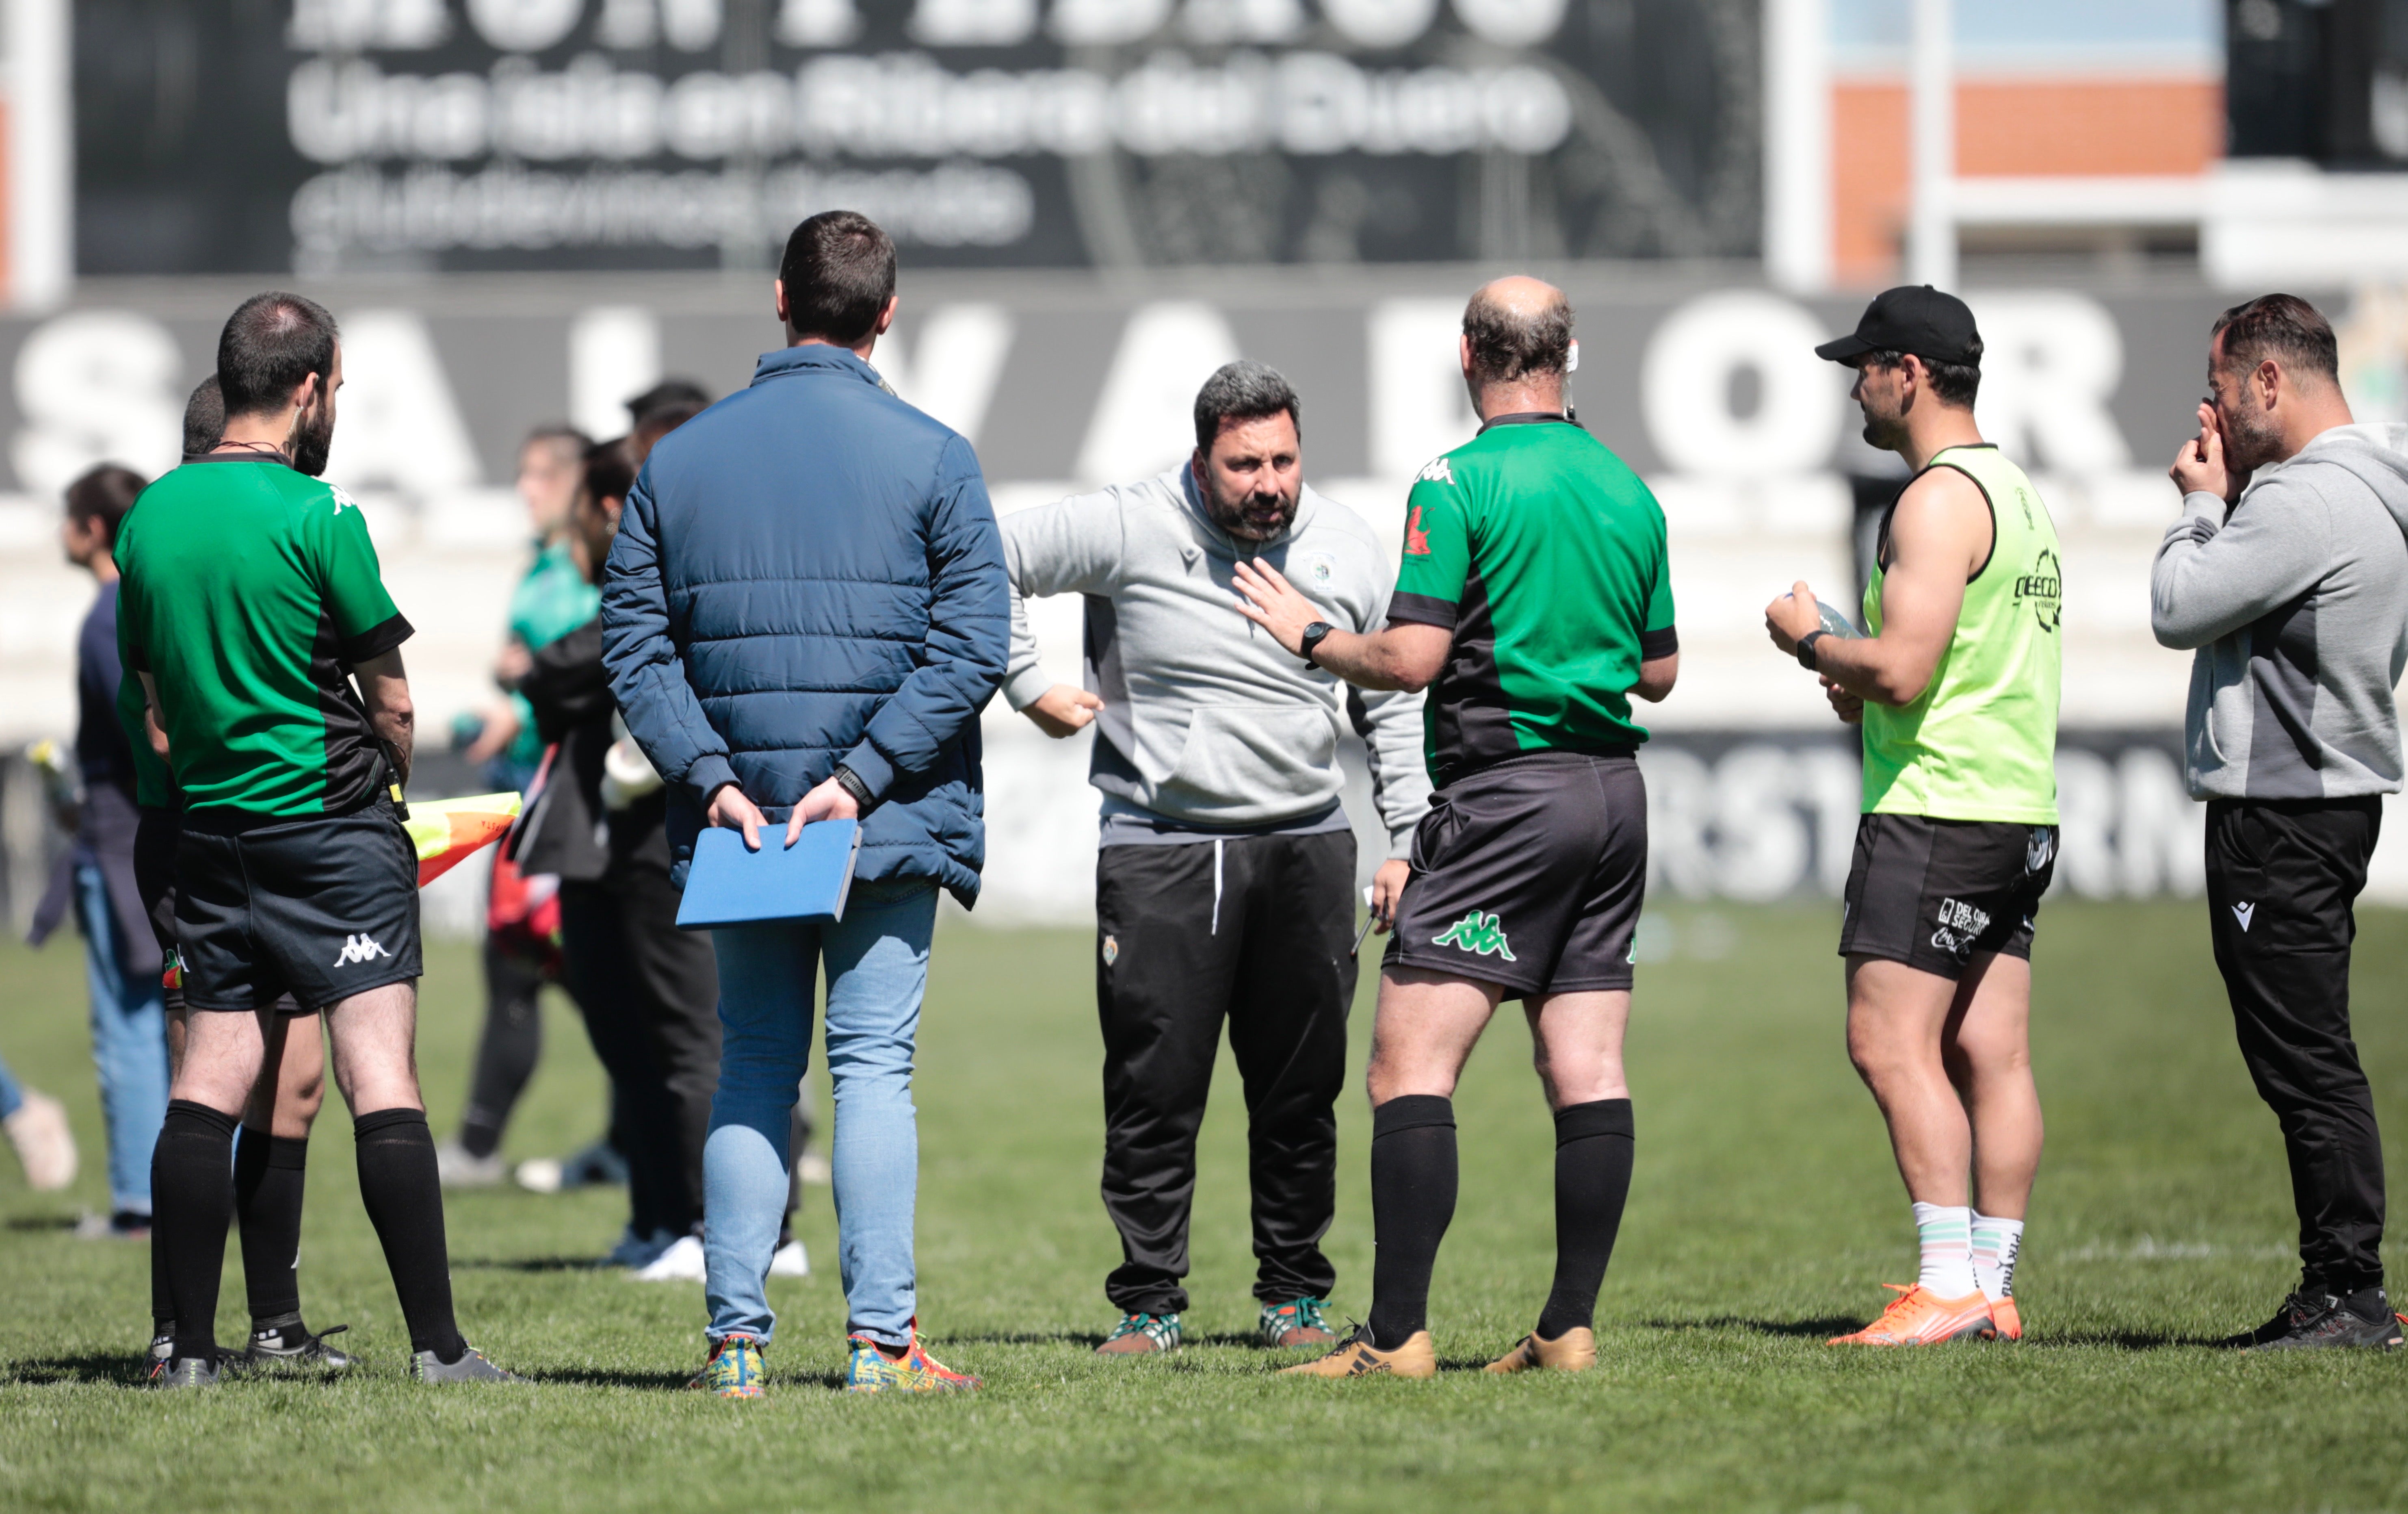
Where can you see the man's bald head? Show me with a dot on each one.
(1518, 327)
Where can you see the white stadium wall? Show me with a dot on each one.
(1705, 382)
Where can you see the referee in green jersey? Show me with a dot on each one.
(250, 603)
(1535, 598)
(1956, 687)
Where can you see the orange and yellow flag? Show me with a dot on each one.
(448, 831)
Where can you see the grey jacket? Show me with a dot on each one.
(1206, 719)
(2298, 605)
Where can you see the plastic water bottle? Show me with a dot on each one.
(1837, 624)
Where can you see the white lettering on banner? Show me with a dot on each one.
(1415, 380)
(950, 363)
(1146, 420)
(399, 427)
(96, 386)
(972, 23)
(349, 25)
(817, 24)
(691, 25)
(2050, 364)
(1687, 377)
(525, 25)
(1221, 22)
(628, 23)
(1106, 23)
(1380, 23)
(614, 355)
(1511, 23)
(905, 105)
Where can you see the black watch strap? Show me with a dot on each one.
(1806, 649)
(1311, 641)
(850, 783)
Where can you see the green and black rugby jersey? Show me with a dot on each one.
(1544, 555)
(249, 592)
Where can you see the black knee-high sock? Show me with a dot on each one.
(269, 1172)
(192, 1202)
(404, 1199)
(1593, 1146)
(1412, 1201)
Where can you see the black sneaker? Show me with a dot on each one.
(471, 1367)
(2345, 1323)
(293, 1346)
(186, 1372)
(2299, 1308)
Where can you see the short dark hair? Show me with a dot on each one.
(664, 394)
(839, 272)
(1951, 384)
(2281, 326)
(609, 469)
(1508, 343)
(270, 343)
(204, 417)
(1244, 390)
(105, 494)
(563, 438)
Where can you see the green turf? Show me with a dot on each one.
(1764, 1216)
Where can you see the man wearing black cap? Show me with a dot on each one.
(1957, 689)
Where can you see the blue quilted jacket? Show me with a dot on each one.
(807, 573)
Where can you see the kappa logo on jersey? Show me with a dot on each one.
(359, 949)
(342, 500)
(1437, 471)
(1417, 539)
(1477, 932)
(2244, 913)
(1960, 926)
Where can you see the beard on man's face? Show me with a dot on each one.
(313, 439)
(1254, 514)
(2251, 438)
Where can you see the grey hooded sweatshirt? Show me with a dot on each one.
(1208, 723)
(2297, 602)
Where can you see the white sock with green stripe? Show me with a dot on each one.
(1996, 1242)
(1946, 1232)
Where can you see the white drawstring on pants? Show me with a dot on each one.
(1217, 844)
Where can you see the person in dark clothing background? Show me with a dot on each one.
(95, 880)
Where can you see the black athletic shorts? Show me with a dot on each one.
(154, 878)
(319, 908)
(1529, 874)
(1932, 893)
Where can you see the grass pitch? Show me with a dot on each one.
(1764, 1216)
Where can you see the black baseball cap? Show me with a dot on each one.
(1911, 318)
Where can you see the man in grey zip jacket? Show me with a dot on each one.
(1224, 885)
(2289, 573)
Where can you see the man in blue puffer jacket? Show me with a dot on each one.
(804, 614)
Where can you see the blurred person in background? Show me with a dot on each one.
(2286, 577)
(272, 1146)
(1224, 882)
(1954, 684)
(38, 1129)
(806, 609)
(521, 949)
(96, 879)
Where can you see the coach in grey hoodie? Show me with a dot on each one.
(1225, 884)
(2295, 595)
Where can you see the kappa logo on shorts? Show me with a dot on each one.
(1482, 934)
(1960, 926)
(359, 949)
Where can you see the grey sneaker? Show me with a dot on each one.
(455, 1168)
(471, 1367)
(293, 1346)
(186, 1372)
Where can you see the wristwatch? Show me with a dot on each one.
(850, 783)
(1311, 641)
(1806, 649)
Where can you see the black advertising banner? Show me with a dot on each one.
(327, 136)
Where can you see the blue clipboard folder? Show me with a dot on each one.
(727, 885)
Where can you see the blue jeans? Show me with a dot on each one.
(129, 1045)
(12, 1093)
(876, 971)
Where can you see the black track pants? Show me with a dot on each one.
(1257, 929)
(2282, 877)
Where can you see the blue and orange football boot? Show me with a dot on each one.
(869, 1370)
(735, 1368)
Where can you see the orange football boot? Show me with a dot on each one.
(2009, 1319)
(1917, 1318)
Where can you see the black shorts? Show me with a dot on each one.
(154, 878)
(1933, 893)
(1530, 874)
(319, 908)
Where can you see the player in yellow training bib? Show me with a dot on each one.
(1956, 684)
